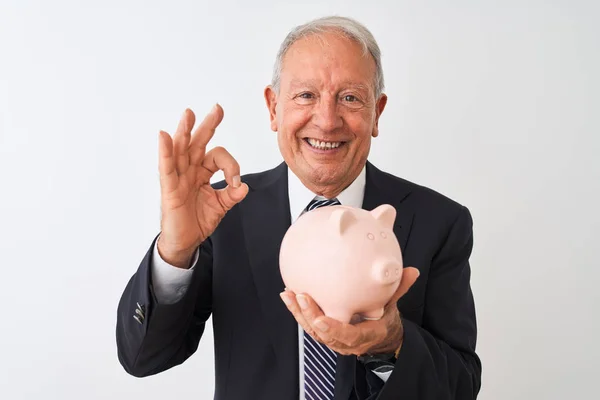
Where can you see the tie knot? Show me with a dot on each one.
(322, 203)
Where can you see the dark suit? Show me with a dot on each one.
(237, 281)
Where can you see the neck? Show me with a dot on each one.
(328, 191)
(321, 184)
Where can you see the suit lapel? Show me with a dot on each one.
(265, 219)
(380, 188)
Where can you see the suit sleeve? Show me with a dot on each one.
(438, 360)
(162, 335)
(169, 282)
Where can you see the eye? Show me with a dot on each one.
(306, 96)
(370, 236)
(383, 235)
(350, 98)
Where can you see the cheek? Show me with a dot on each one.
(361, 126)
(293, 119)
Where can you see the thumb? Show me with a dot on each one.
(238, 194)
(409, 277)
(230, 196)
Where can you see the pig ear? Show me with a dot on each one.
(342, 219)
(385, 214)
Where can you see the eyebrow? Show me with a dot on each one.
(312, 83)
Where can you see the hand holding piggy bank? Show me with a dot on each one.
(347, 259)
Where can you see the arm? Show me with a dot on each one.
(168, 333)
(438, 360)
(170, 283)
(156, 328)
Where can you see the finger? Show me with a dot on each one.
(334, 333)
(409, 276)
(329, 330)
(220, 159)
(204, 132)
(316, 319)
(289, 299)
(169, 179)
(181, 141)
(309, 308)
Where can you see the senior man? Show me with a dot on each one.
(217, 251)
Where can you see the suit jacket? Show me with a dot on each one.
(237, 282)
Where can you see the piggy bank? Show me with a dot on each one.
(347, 259)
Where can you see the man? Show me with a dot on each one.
(217, 252)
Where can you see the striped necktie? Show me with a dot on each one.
(319, 360)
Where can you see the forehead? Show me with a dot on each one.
(329, 59)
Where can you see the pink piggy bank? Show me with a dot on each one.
(347, 259)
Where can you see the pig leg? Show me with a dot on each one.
(339, 315)
(373, 314)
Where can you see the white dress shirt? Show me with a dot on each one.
(171, 283)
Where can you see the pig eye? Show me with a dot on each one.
(370, 236)
(383, 235)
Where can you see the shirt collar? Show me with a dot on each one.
(300, 195)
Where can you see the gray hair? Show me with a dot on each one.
(347, 27)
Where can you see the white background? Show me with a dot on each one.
(493, 103)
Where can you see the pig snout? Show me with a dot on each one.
(387, 271)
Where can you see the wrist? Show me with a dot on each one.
(378, 363)
(175, 257)
(387, 354)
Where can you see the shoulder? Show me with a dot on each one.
(424, 194)
(427, 202)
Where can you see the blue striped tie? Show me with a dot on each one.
(319, 360)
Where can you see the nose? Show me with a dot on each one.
(326, 115)
(387, 271)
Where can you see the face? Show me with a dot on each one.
(325, 112)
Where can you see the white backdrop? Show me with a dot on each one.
(493, 103)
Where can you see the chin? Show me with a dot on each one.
(324, 174)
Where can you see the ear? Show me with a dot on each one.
(386, 214)
(342, 219)
(379, 107)
(271, 100)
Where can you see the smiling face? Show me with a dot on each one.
(325, 112)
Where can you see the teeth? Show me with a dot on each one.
(318, 144)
